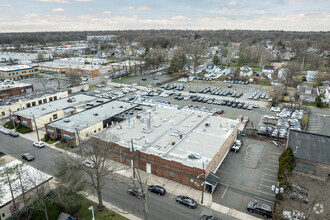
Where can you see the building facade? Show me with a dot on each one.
(8, 89)
(17, 72)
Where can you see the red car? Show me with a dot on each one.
(220, 111)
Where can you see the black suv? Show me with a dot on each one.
(209, 217)
(185, 200)
(157, 189)
(261, 209)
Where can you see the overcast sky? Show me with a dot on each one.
(80, 15)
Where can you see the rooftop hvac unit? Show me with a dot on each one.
(95, 114)
(66, 120)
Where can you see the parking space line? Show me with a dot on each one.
(268, 174)
(271, 194)
(268, 180)
(271, 170)
(272, 165)
(265, 185)
(275, 161)
(225, 191)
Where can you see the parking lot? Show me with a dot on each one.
(248, 175)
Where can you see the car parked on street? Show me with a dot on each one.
(28, 157)
(261, 209)
(13, 134)
(39, 144)
(137, 192)
(185, 200)
(157, 189)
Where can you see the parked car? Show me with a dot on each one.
(296, 196)
(246, 120)
(39, 144)
(88, 163)
(28, 157)
(209, 217)
(220, 111)
(13, 134)
(230, 85)
(157, 189)
(296, 187)
(137, 192)
(185, 200)
(261, 209)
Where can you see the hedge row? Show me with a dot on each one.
(286, 165)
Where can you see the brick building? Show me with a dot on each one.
(311, 152)
(174, 144)
(11, 88)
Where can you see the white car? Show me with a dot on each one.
(88, 164)
(97, 92)
(39, 144)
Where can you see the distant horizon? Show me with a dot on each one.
(22, 16)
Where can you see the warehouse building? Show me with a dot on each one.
(48, 112)
(83, 125)
(11, 88)
(27, 100)
(311, 153)
(174, 144)
(17, 72)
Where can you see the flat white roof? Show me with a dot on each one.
(30, 178)
(12, 84)
(92, 116)
(54, 106)
(166, 127)
(14, 67)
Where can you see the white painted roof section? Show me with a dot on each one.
(12, 84)
(166, 126)
(14, 67)
(92, 116)
(55, 106)
(30, 176)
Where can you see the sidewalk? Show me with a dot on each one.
(171, 187)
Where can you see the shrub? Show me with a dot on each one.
(9, 125)
(53, 209)
(23, 130)
(46, 137)
(62, 140)
(54, 139)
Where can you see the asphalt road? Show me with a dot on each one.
(160, 207)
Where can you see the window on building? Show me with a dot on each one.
(33, 103)
(28, 105)
(3, 113)
(3, 215)
(55, 97)
(55, 116)
(40, 102)
(94, 131)
(172, 173)
(45, 100)
(99, 129)
(9, 74)
(50, 99)
(126, 158)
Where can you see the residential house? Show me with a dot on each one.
(268, 70)
(311, 76)
(306, 92)
(210, 69)
(246, 71)
(282, 73)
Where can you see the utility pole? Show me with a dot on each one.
(79, 141)
(203, 184)
(133, 158)
(35, 123)
(11, 189)
(10, 113)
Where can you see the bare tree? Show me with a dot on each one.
(290, 76)
(276, 95)
(196, 52)
(58, 79)
(43, 81)
(178, 60)
(102, 169)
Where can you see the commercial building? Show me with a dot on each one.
(311, 153)
(11, 88)
(70, 68)
(102, 37)
(48, 112)
(83, 125)
(171, 143)
(17, 72)
(33, 181)
(27, 100)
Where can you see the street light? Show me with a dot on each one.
(91, 208)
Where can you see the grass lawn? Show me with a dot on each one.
(92, 86)
(106, 214)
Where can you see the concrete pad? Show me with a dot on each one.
(181, 189)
